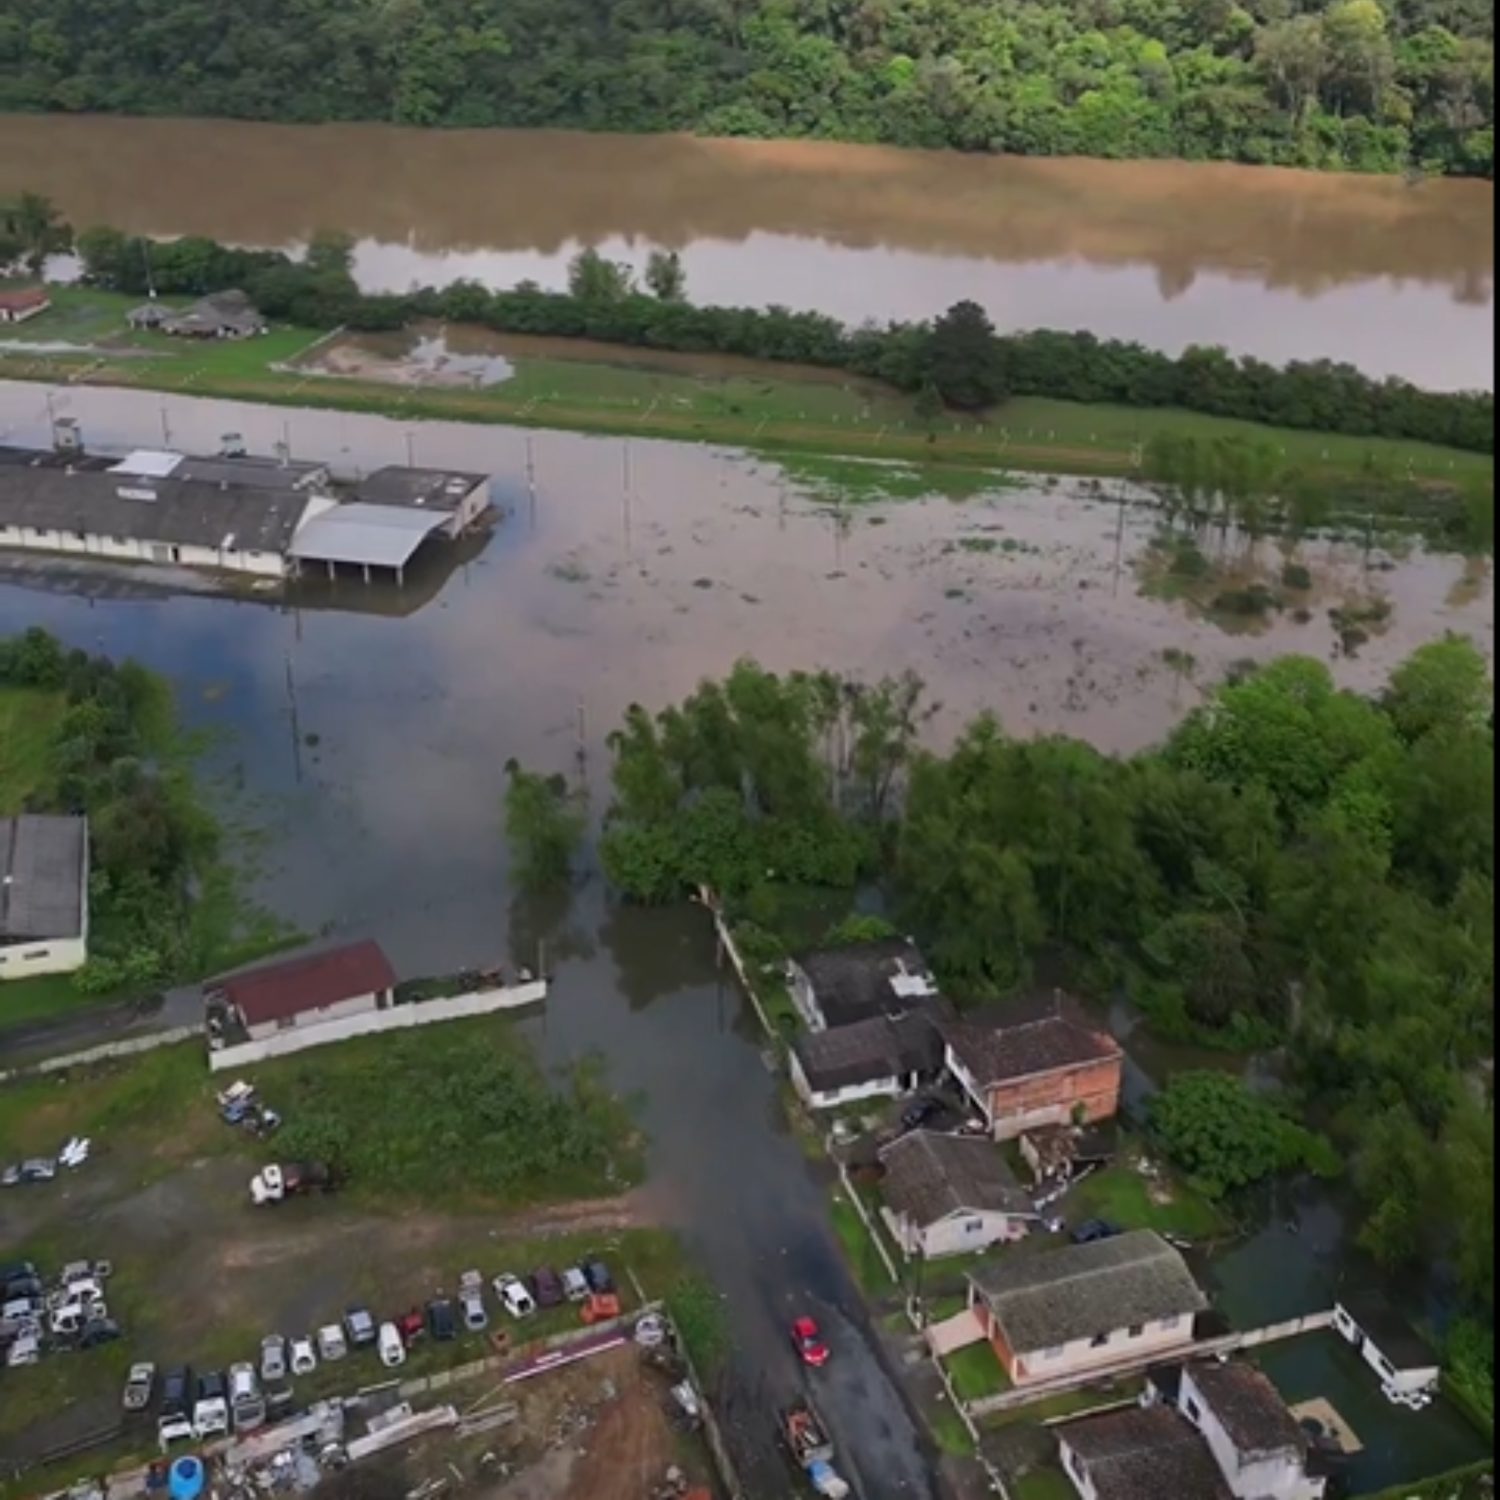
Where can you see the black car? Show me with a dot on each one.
(547, 1287)
(176, 1390)
(596, 1273)
(16, 1269)
(212, 1386)
(100, 1331)
(1094, 1229)
(920, 1111)
(280, 1403)
(441, 1323)
(20, 1286)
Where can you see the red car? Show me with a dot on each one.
(811, 1349)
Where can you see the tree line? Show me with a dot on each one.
(1295, 866)
(1368, 85)
(956, 360)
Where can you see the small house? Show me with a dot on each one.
(44, 895)
(1040, 1062)
(18, 303)
(880, 1058)
(1139, 1453)
(1387, 1342)
(220, 315)
(860, 981)
(459, 497)
(950, 1195)
(149, 315)
(306, 991)
(1084, 1308)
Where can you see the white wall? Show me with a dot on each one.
(355, 1005)
(957, 1234)
(1086, 1354)
(50, 956)
(1273, 1476)
(130, 549)
(1073, 1467)
(977, 1096)
(803, 997)
(878, 1088)
(396, 1018)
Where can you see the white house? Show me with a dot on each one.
(458, 496)
(44, 895)
(950, 1195)
(1138, 1451)
(1082, 1308)
(304, 991)
(874, 1059)
(834, 987)
(1260, 1448)
(1387, 1343)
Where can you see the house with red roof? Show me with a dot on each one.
(309, 990)
(17, 303)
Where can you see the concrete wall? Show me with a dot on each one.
(1258, 1476)
(132, 549)
(48, 956)
(398, 1018)
(957, 1234)
(355, 1005)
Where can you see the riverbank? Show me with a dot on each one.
(613, 389)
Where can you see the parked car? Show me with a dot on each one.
(440, 1321)
(85, 1270)
(1094, 1229)
(331, 1343)
(140, 1384)
(808, 1342)
(15, 1269)
(98, 1331)
(21, 1286)
(547, 1287)
(575, 1284)
(175, 1422)
(514, 1297)
(920, 1111)
(25, 1350)
(273, 1357)
(68, 1321)
(211, 1409)
(391, 1346)
(245, 1402)
(471, 1301)
(304, 1357)
(359, 1326)
(280, 1402)
(38, 1169)
(410, 1326)
(596, 1273)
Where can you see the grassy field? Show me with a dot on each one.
(976, 1372)
(1043, 1484)
(774, 408)
(1124, 1198)
(28, 718)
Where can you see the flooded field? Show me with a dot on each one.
(1395, 277)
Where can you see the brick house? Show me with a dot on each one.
(1037, 1063)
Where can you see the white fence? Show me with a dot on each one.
(398, 1018)
(105, 1051)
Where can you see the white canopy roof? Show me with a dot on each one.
(383, 536)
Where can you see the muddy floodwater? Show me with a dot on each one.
(364, 735)
(1395, 277)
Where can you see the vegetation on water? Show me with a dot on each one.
(105, 742)
(1312, 859)
(958, 359)
(459, 1112)
(544, 826)
(1372, 85)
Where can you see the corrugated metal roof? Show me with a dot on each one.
(276, 991)
(382, 536)
(437, 489)
(42, 872)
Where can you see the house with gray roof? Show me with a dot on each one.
(457, 497)
(1081, 1308)
(1139, 1453)
(859, 981)
(883, 1057)
(44, 895)
(950, 1195)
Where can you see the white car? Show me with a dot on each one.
(304, 1357)
(70, 1318)
(331, 1343)
(391, 1346)
(26, 1350)
(273, 1357)
(514, 1297)
(471, 1301)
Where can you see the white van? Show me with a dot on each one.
(245, 1403)
(391, 1345)
(331, 1343)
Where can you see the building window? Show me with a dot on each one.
(1076, 1465)
(285, 1023)
(1099, 1340)
(1135, 1331)
(973, 1226)
(1055, 1353)
(1191, 1408)
(1168, 1324)
(36, 953)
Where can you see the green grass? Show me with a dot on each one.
(28, 720)
(976, 1372)
(1069, 1404)
(1123, 1197)
(864, 1259)
(783, 411)
(948, 1431)
(1043, 1484)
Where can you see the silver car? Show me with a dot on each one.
(273, 1357)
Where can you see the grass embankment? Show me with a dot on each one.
(28, 722)
(643, 393)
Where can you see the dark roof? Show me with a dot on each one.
(22, 297)
(43, 867)
(1144, 1453)
(275, 991)
(868, 1050)
(1388, 1330)
(1249, 1407)
(929, 1176)
(437, 489)
(1041, 1035)
(47, 498)
(861, 980)
(252, 471)
(1081, 1291)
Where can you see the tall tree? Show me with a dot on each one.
(544, 826)
(665, 277)
(965, 364)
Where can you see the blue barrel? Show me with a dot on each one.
(185, 1481)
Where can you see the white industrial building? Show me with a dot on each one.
(44, 895)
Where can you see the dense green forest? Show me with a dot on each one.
(1372, 85)
(1296, 867)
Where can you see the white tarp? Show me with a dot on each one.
(383, 536)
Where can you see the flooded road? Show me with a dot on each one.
(367, 746)
(1394, 277)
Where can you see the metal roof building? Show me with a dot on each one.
(44, 871)
(370, 536)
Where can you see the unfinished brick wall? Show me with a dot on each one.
(1088, 1093)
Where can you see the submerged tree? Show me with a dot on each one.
(665, 277)
(31, 229)
(544, 826)
(592, 278)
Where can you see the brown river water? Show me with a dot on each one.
(1394, 277)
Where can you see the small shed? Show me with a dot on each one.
(1387, 1342)
(17, 303)
(149, 315)
(318, 987)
